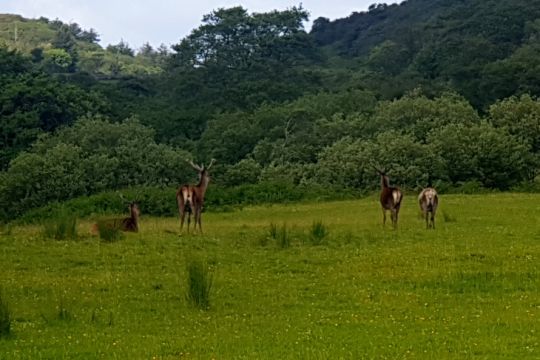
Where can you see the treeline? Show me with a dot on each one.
(320, 141)
(275, 106)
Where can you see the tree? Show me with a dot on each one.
(33, 103)
(65, 40)
(121, 48)
(250, 58)
(90, 36)
(91, 156)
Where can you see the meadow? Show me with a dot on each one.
(306, 280)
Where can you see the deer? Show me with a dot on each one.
(190, 198)
(428, 201)
(129, 224)
(390, 198)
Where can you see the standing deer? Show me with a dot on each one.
(429, 200)
(390, 198)
(190, 198)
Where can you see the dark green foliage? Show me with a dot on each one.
(199, 283)
(435, 90)
(92, 156)
(121, 48)
(473, 47)
(248, 58)
(5, 316)
(34, 103)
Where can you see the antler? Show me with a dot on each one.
(381, 172)
(196, 167)
(123, 198)
(211, 163)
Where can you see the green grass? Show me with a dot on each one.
(5, 317)
(468, 289)
(63, 228)
(199, 283)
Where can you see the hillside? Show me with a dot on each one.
(44, 40)
(478, 48)
(444, 91)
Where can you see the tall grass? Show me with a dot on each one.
(199, 283)
(283, 237)
(62, 228)
(318, 232)
(109, 231)
(5, 316)
(63, 313)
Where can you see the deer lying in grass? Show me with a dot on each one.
(130, 224)
(190, 198)
(428, 201)
(390, 198)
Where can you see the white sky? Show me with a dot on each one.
(161, 21)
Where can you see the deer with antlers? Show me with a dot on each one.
(428, 201)
(390, 198)
(190, 198)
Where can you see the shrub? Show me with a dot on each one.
(199, 283)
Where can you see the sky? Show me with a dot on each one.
(161, 21)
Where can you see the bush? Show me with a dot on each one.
(91, 156)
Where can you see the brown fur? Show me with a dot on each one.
(390, 199)
(190, 198)
(429, 201)
(130, 224)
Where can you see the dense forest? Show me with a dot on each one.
(434, 91)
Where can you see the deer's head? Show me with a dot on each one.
(202, 170)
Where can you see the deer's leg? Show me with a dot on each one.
(394, 214)
(181, 209)
(199, 215)
(188, 221)
(433, 219)
(426, 216)
(182, 217)
(384, 216)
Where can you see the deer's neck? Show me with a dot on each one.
(384, 181)
(135, 218)
(203, 184)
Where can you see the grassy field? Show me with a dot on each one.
(469, 289)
